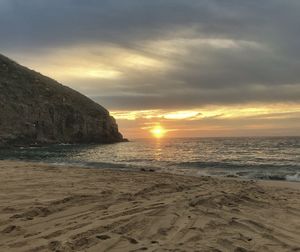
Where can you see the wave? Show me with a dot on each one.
(242, 166)
(294, 178)
(96, 165)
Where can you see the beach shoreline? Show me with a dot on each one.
(56, 208)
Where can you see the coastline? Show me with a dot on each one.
(54, 208)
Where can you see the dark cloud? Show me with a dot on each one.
(173, 100)
(223, 52)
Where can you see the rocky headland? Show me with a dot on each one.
(35, 109)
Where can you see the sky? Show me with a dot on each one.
(197, 68)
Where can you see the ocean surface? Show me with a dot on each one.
(269, 158)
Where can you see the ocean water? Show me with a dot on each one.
(275, 158)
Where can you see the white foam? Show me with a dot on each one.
(295, 177)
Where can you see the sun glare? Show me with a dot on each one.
(158, 131)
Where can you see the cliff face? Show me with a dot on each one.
(36, 109)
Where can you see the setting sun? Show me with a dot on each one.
(158, 131)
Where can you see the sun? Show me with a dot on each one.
(158, 131)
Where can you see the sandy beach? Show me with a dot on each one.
(48, 208)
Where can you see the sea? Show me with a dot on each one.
(259, 158)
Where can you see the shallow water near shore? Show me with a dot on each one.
(270, 158)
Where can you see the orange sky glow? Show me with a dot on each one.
(242, 120)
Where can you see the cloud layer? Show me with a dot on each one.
(138, 54)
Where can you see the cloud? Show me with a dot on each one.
(138, 54)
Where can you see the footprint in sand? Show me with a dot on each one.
(103, 237)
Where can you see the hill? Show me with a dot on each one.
(35, 109)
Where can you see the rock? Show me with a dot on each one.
(36, 110)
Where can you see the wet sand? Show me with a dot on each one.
(48, 208)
